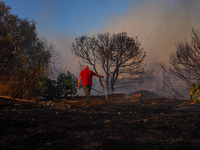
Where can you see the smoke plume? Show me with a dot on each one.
(159, 25)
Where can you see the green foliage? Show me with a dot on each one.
(51, 88)
(64, 85)
(195, 88)
(16, 35)
(21, 52)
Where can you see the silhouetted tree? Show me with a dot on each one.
(185, 62)
(119, 55)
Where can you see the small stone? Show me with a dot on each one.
(145, 120)
(47, 144)
(107, 121)
(48, 103)
(17, 105)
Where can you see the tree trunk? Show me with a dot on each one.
(107, 83)
(112, 89)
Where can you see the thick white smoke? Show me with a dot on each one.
(158, 24)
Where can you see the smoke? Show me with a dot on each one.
(159, 25)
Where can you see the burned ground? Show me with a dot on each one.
(124, 123)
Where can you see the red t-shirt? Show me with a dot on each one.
(86, 75)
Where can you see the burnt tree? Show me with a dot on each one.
(119, 55)
(185, 62)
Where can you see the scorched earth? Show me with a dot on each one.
(125, 122)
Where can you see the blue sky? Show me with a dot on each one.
(70, 17)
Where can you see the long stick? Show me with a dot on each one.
(23, 85)
(104, 87)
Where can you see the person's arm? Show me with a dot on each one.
(100, 76)
(79, 82)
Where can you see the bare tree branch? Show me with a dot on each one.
(185, 62)
(116, 54)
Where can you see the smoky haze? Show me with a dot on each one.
(158, 24)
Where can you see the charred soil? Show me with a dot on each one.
(124, 123)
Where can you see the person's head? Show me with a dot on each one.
(86, 67)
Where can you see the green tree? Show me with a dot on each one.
(65, 85)
(119, 55)
(15, 35)
(50, 89)
(21, 51)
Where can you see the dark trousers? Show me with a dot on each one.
(87, 89)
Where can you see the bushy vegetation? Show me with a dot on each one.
(64, 86)
(21, 53)
(195, 89)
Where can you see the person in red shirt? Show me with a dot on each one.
(86, 76)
